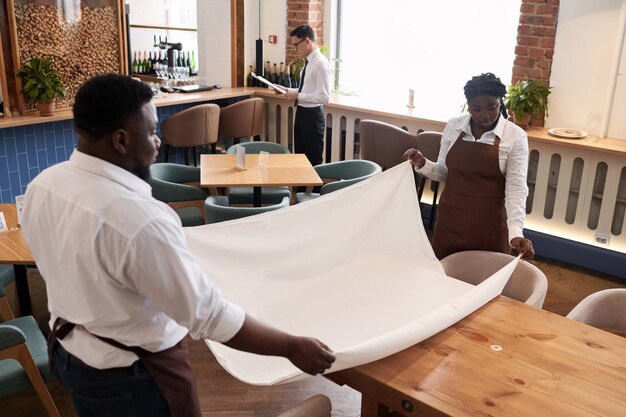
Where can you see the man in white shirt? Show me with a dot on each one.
(121, 282)
(310, 96)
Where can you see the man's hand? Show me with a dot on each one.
(415, 156)
(307, 353)
(289, 96)
(523, 247)
(310, 355)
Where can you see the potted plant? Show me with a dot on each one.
(527, 98)
(41, 83)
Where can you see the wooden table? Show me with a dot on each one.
(218, 170)
(506, 359)
(14, 250)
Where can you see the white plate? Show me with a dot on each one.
(568, 133)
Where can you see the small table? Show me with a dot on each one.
(282, 169)
(506, 359)
(14, 250)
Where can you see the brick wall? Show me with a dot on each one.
(300, 12)
(535, 42)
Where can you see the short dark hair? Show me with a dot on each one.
(486, 84)
(303, 31)
(106, 102)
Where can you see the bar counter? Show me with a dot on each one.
(160, 100)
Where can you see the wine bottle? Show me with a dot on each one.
(250, 79)
(194, 70)
(179, 59)
(145, 62)
(155, 61)
(266, 73)
(135, 65)
(288, 76)
(295, 82)
(281, 74)
(274, 78)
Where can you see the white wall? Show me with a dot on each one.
(274, 22)
(214, 49)
(251, 33)
(584, 49)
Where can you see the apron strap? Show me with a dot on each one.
(170, 369)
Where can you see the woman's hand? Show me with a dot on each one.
(523, 247)
(415, 156)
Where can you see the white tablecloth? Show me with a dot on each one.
(353, 268)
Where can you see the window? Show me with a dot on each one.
(432, 47)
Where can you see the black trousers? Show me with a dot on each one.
(309, 133)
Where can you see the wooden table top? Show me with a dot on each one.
(547, 366)
(13, 247)
(218, 170)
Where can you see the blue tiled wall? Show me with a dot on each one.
(27, 150)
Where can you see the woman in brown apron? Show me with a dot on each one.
(473, 209)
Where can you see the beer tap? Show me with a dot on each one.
(170, 46)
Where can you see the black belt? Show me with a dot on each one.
(309, 109)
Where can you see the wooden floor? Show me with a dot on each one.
(223, 396)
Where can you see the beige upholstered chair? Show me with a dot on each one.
(384, 143)
(191, 128)
(243, 119)
(318, 406)
(604, 309)
(527, 284)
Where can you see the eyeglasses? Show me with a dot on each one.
(295, 45)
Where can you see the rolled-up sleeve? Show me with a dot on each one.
(438, 171)
(516, 189)
(164, 271)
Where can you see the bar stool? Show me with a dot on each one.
(243, 119)
(196, 126)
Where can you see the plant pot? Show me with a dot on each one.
(46, 108)
(524, 122)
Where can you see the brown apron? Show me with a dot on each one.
(170, 369)
(471, 212)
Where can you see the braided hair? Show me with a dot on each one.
(486, 84)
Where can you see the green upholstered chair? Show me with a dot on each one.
(171, 184)
(217, 209)
(6, 276)
(341, 174)
(24, 361)
(269, 195)
(317, 406)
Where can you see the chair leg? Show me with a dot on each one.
(214, 147)
(6, 313)
(22, 355)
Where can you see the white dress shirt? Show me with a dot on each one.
(317, 81)
(116, 262)
(513, 161)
